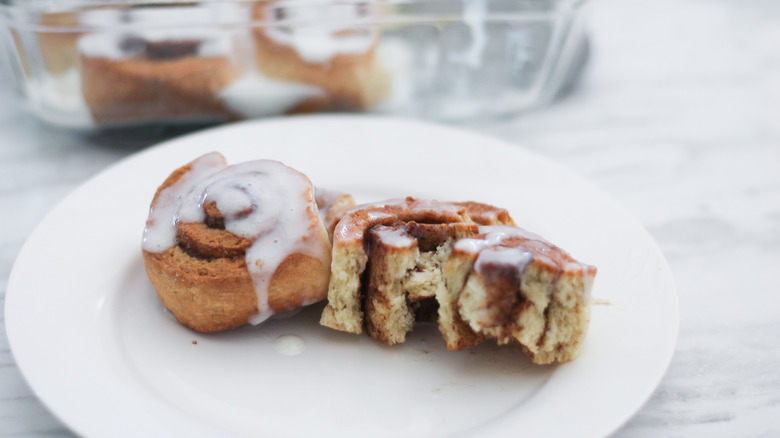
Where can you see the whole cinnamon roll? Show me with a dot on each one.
(164, 69)
(229, 245)
(328, 45)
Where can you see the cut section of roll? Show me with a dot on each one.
(414, 242)
(463, 265)
(229, 245)
(514, 286)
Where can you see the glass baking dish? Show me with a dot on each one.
(95, 64)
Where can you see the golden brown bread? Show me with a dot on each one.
(349, 81)
(137, 90)
(212, 279)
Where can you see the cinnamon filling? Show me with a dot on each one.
(210, 240)
(159, 50)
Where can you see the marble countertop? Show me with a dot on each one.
(677, 117)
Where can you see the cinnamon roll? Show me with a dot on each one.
(463, 265)
(162, 70)
(229, 245)
(514, 286)
(413, 245)
(324, 44)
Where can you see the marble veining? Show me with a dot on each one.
(677, 117)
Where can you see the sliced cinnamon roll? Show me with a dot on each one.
(514, 286)
(464, 265)
(161, 70)
(417, 243)
(229, 245)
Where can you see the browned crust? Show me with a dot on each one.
(485, 214)
(204, 295)
(137, 89)
(202, 241)
(204, 281)
(299, 280)
(351, 82)
(357, 221)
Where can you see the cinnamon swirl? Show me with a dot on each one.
(514, 286)
(229, 245)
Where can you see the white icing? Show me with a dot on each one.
(318, 30)
(490, 251)
(541, 249)
(256, 95)
(160, 230)
(494, 235)
(436, 206)
(396, 57)
(262, 201)
(474, 15)
(394, 237)
(186, 16)
(102, 45)
(156, 25)
(57, 98)
(515, 257)
(374, 216)
(289, 345)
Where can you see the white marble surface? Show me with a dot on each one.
(677, 117)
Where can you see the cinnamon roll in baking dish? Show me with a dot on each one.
(464, 265)
(328, 45)
(163, 69)
(227, 245)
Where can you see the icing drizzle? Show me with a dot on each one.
(263, 201)
(319, 30)
(514, 246)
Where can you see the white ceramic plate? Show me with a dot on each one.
(102, 354)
